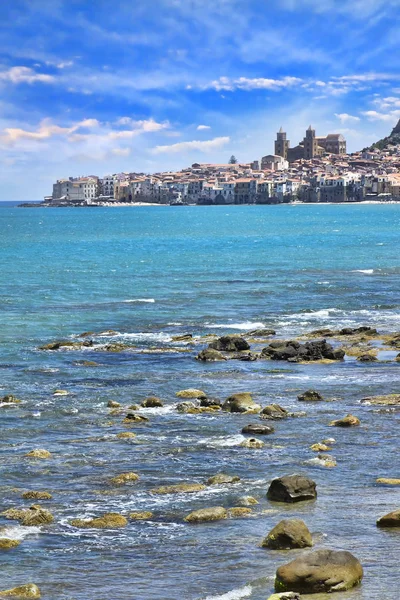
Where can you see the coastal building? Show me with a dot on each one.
(310, 147)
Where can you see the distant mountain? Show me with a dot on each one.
(391, 140)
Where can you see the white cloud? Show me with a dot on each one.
(25, 75)
(246, 83)
(205, 146)
(346, 118)
(374, 115)
(121, 151)
(202, 127)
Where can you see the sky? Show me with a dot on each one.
(100, 87)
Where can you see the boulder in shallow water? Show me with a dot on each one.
(34, 515)
(191, 394)
(126, 435)
(287, 534)
(124, 478)
(230, 343)
(239, 511)
(252, 443)
(132, 418)
(347, 421)
(210, 355)
(36, 495)
(179, 488)
(107, 521)
(113, 404)
(310, 396)
(9, 399)
(257, 429)
(292, 488)
(152, 402)
(38, 453)
(388, 481)
(392, 519)
(7, 544)
(320, 571)
(29, 590)
(388, 400)
(261, 333)
(203, 515)
(320, 448)
(185, 407)
(246, 501)
(140, 516)
(274, 412)
(367, 358)
(285, 596)
(241, 402)
(222, 478)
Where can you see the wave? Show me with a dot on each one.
(365, 271)
(237, 594)
(131, 301)
(18, 532)
(245, 326)
(222, 442)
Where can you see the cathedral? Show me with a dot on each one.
(311, 146)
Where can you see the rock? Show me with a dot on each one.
(140, 516)
(293, 351)
(192, 393)
(392, 519)
(34, 495)
(285, 596)
(245, 356)
(347, 421)
(7, 544)
(202, 409)
(241, 402)
(357, 330)
(230, 343)
(239, 511)
(133, 407)
(274, 412)
(325, 460)
(207, 514)
(86, 363)
(126, 435)
(39, 453)
(261, 333)
(186, 337)
(388, 400)
(292, 488)
(152, 402)
(367, 358)
(289, 533)
(210, 355)
(210, 402)
(9, 399)
(124, 478)
(34, 515)
(29, 590)
(310, 395)
(320, 448)
(185, 407)
(252, 443)
(61, 393)
(222, 478)
(115, 347)
(258, 429)
(320, 571)
(179, 488)
(113, 404)
(247, 501)
(107, 521)
(134, 418)
(388, 481)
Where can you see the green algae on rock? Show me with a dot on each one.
(215, 513)
(287, 534)
(7, 544)
(179, 488)
(29, 590)
(106, 521)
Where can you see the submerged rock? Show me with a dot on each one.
(274, 412)
(210, 355)
(152, 402)
(61, 393)
(241, 402)
(185, 407)
(388, 400)
(253, 444)
(215, 513)
(9, 399)
(367, 358)
(258, 429)
(230, 343)
(261, 333)
(126, 435)
(7, 544)
(179, 488)
(186, 337)
(289, 533)
(107, 521)
(36, 495)
(310, 396)
(392, 519)
(347, 421)
(222, 478)
(320, 571)
(388, 481)
(38, 453)
(29, 590)
(247, 501)
(140, 516)
(132, 418)
(113, 404)
(239, 511)
(34, 515)
(124, 478)
(292, 488)
(320, 448)
(191, 393)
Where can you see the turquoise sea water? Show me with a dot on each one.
(147, 274)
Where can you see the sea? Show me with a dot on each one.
(141, 276)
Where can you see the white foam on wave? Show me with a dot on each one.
(365, 271)
(133, 300)
(244, 592)
(17, 532)
(145, 337)
(245, 326)
(222, 442)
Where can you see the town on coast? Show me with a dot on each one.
(317, 170)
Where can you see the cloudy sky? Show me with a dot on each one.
(98, 87)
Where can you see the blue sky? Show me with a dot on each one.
(98, 87)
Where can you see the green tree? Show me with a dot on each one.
(233, 160)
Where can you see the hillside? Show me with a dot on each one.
(391, 140)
